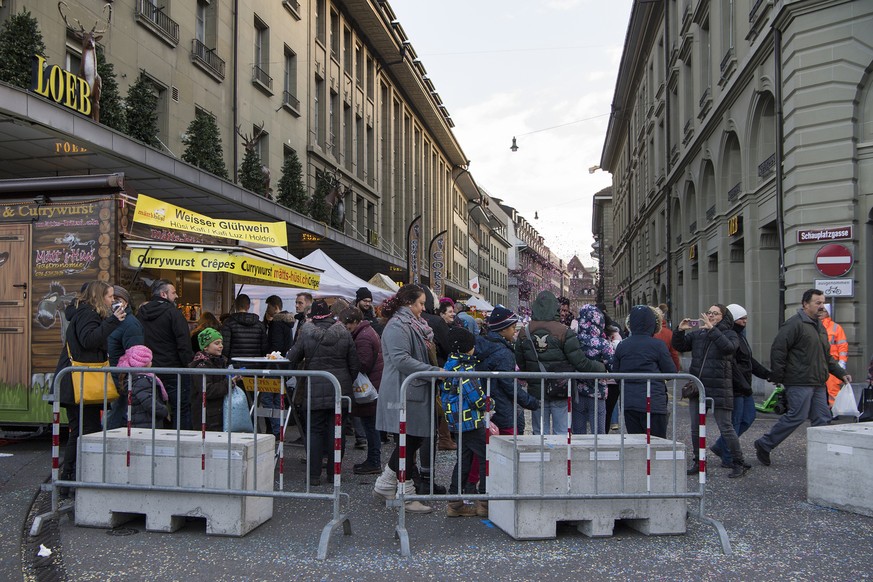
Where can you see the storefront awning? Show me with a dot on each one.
(236, 260)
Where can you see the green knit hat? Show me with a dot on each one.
(207, 336)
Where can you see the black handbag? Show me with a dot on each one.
(866, 404)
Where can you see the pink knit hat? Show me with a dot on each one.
(136, 357)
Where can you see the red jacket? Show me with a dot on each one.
(369, 347)
(666, 336)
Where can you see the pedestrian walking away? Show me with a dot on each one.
(801, 360)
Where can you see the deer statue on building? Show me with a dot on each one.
(88, 66)
(249, 143)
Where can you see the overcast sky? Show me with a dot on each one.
(509, 68)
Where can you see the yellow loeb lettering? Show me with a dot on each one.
(39, 86)
(70, 89)
(84, 97)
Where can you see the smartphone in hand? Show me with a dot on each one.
(694, 322)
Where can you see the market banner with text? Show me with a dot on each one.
(217, 262)
(158, 213)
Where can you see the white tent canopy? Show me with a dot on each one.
(475, 302)
(335, 282)
(385, 282)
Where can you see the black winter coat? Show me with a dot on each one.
(800, 354)
(141, 403)
(641, 353)
(216, 389)
(280, 332)
(165, 330)
(328, 346)
(715, 366)
(495, 355)
(87, 337)
(244, 336)
(440, 336)
(745, 365)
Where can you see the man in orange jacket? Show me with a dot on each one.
(839, 349)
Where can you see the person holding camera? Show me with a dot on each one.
(713, 343)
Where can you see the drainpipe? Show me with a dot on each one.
(780, 206)
(235, 90)
(668, 232)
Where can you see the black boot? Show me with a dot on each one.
(694, 468)
(67, 474)
(422, 484)
(739, 469)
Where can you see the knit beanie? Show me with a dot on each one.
(737, 311)
(363, 293)
(461, 341)
(136, 357)
(320, 309)
(121, 293)
(207, 336)
(501, 318)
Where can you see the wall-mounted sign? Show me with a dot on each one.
(692, 252)
(438, 263)
(217, 262)
(61, 86)
(65, 147)
(836, 287)
(825, 234)
(158, 213)
(414, 251)
(308, 237)
(735, 225)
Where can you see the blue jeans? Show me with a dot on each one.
(272, 400)
(374, 442)
(584, 408)
(742, 418)
(554, 409)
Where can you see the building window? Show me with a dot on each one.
(262, 146)
(261, 67)
(289, 82)
(320, 28)
(334, 34)
(347, 51)
(200, 21)
(371, 77)
(73, 59)
(333, 122)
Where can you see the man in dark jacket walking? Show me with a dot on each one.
(166, 335)
(801, 360)
(556, 347)
(495, 353)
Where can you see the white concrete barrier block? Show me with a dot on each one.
(839, 467)
(215, 463)
(595, 470)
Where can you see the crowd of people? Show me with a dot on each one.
(414, 331)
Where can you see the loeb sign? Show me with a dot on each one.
(60, 86)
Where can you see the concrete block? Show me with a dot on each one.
(228, 465)
(839, 467)
(593, 472)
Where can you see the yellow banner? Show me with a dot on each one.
(217, 262)
(157, 213)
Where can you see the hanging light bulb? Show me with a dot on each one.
(536, 215)
(514, 146)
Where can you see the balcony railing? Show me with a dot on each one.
(154, 17)
(692, 228)
(259, 75)
(734, 192)
(207, 58)
(292, 6)
(705, 97)
(754, 9)
(710, 212)
(290, 100)
(766, 167)
(727, 59)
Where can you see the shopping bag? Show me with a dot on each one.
(844, 403)
(866, 405)
(236, 412)
(364, 390)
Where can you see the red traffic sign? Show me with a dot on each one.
(834, 260)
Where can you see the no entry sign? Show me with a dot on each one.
(834, 260)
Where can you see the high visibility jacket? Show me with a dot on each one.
(837, 340)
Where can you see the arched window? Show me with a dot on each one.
(762, 156)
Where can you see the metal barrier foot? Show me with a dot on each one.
(722, 532)
(324, 541)
(401, 534)
(39, 520)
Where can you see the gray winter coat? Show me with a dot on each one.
(327, 346)
(404, 352)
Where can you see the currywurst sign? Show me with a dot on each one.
(157, 213)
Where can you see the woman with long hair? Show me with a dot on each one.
(406, 342)
(91, 321)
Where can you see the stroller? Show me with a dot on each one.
(776, 403)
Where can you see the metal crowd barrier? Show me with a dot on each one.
(339, 500)
(486, 379)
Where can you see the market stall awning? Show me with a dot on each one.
(236, 260)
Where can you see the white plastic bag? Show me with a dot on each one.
(845, 403)
(365, 392)
(236, 412)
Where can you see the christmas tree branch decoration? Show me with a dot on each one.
(292, 191)
(203, 144)
(252, 174)
(20, 40)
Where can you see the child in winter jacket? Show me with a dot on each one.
(590, 397)
(464, 404)
(146, 390)
(215, 386)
